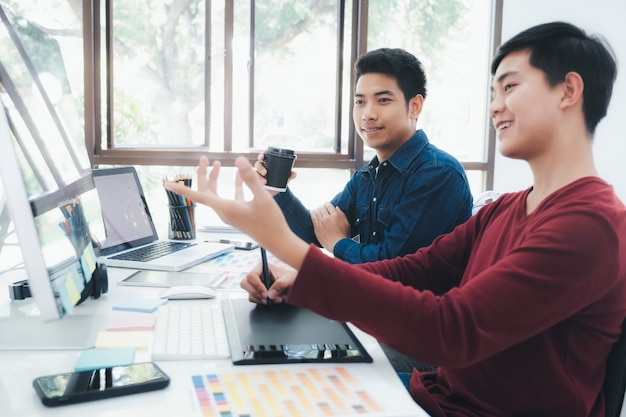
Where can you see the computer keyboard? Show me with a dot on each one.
(153, 251)
(190, 331)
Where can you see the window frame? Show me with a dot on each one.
(96, 88)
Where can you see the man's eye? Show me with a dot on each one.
(383, 100)
(508, 87)
(358, 101)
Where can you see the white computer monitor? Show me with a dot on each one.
(23, 219)
(52, 261)
(44, 247)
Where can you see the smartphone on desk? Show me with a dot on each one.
(75, 387)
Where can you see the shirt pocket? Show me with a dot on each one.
(360, 215)
(384, 215)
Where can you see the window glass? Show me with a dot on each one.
(295, 79)
(41, 46)
(158, 72)
(452, 40)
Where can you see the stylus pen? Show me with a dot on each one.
(266, 272)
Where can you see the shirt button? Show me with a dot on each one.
(374, 234)
(358, 220)
(374, 199)
(384, 164)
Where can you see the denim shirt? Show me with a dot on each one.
(395, 206)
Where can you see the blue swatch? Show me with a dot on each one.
(142, 305)
(104, 358)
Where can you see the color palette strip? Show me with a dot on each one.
(307, 392)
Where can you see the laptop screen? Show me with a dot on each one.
(127, 219)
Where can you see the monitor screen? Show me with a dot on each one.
(53, 228)
(48, 189)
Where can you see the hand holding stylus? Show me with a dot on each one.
(267, 279)
(271, 290)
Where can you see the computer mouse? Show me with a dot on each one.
(187, 292)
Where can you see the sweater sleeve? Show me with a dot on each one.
(556, 271)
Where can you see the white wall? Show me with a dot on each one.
(608, 18)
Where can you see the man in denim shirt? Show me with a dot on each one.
(410, 192)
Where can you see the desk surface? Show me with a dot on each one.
(19, 368)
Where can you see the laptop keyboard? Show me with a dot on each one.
(185, 331)
(153, 251)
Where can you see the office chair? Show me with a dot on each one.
(615, 379)
(483, 199)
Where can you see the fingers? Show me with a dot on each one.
(207, 189)
(278, 291)
(253, 284)
(250, 177)
(213, 176)
(257, 293)
(260, 166)
(238, 187)
(203, 163)
(324, 210)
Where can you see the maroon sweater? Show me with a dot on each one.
(519, 311)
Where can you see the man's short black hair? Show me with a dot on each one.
(398, 63)
(557, 48)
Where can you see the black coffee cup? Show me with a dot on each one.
(279, 163)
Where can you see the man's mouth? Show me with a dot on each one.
(502, 125)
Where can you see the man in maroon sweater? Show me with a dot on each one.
(519, 306)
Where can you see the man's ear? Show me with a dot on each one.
(415, 106)
(573, 87)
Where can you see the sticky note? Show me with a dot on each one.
(64, 295)
(77, 284)
(142, 305)
(88, 262)
(126, 322)
(105, 358)
(136, 339)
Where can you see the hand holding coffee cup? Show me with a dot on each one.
(278, 164)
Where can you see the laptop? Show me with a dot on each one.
(131, 239)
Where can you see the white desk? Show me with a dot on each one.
(19, 368)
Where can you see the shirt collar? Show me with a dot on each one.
(401, 158)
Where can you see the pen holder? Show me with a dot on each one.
(182, 222)
(79, 238)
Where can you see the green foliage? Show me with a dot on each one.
(133, 126)
(279, 21)
(434, 20)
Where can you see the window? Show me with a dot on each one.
(41, 71)
(231, 77)
(164, 81)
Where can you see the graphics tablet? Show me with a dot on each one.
(284, 333)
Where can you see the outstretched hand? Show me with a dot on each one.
(260, 218)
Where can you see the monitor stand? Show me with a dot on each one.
(72, 332)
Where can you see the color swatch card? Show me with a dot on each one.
(291, 392)
(234, 267)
